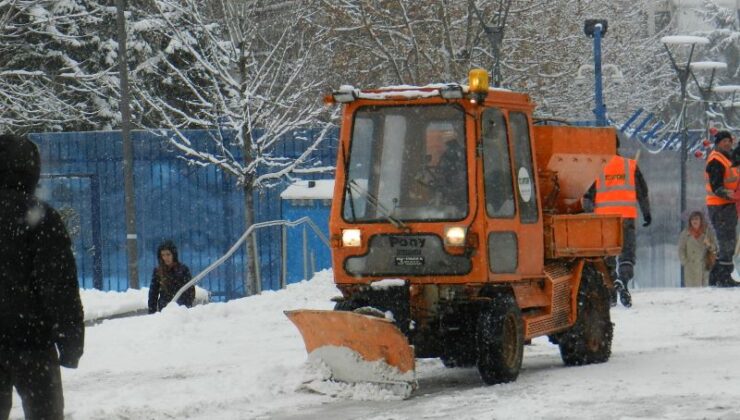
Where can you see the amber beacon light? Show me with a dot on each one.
(478, 81)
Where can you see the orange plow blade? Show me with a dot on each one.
(356, 347)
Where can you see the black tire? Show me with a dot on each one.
(345, 305)
(589, 340)
(500, 340)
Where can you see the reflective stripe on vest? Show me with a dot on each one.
(615, 189)
(729, 181)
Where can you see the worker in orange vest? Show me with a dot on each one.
(619, 190)
(721, 176)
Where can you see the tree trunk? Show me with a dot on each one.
(251, 282)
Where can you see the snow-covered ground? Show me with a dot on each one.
(676, 355)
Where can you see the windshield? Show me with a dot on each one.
(407, 163)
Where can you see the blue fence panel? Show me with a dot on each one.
(318, 254)
(201, 209)
(77, 199)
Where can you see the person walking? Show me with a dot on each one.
(693, 245)
(721, 180)
(41, 315)
(168, 277)
(619, 190)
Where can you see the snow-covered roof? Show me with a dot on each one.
(408, 91)
(684, 39)
(301, 190)
(708, 65)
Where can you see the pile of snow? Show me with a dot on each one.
(675, 355)
(100, 305)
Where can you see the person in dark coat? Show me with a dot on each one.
(168, 277)
(41, 315)
(621, 189)
(722, 178)
(451, 178)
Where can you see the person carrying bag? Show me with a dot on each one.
(697, 251)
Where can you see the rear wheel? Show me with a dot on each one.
(589, 340)
(500, 340)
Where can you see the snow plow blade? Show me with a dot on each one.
(355, 347)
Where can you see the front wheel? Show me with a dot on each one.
(346, 305)
(589, 340)
(500, 340)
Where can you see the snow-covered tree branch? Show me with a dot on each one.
(233, 73)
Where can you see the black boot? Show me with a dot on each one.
(626, 298)
(613, 296)
(723, 275)
(624, 295)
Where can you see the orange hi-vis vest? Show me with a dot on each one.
(730, 179)
(615, 189)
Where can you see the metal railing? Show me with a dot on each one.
(240, 241)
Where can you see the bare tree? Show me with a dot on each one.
(403, 41)
(408, 42)
(238, 70)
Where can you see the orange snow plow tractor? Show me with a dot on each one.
(457, 232)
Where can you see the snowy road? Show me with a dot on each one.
(676, 355)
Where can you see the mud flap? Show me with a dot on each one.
(355, 347)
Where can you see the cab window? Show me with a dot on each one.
(497, 165)
(523, 168)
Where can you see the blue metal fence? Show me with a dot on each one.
(201, 209)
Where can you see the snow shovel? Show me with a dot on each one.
(356, 347)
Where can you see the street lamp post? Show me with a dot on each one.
(596, 28)
(683, 71)
(706, 91)
(734, 90)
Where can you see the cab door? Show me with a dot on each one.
(531, 254)
(513, 223)
(502, 238)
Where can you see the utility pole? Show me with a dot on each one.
(128, 151)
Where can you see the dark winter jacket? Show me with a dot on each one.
(40, 303)
(166, 281)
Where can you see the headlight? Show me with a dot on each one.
(455, 236)
(351, 237)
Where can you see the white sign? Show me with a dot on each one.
(525, 184)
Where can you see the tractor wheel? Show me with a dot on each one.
(345, 305)
(500, 340)
(589, 340)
